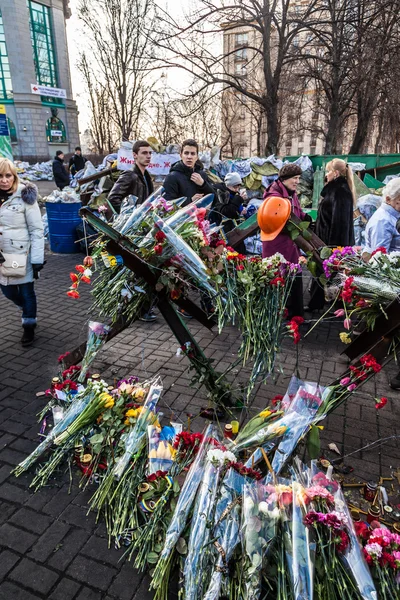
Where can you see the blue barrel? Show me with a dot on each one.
(63, 219)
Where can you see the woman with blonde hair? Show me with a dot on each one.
(335, 221)
(21, 244)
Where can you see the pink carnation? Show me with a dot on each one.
(317, 491)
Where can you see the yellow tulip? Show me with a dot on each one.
(132, 412)
(265, 413)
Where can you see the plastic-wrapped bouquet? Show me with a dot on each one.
(96, 338)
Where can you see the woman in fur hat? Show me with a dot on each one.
(21, 245)
(285, 187)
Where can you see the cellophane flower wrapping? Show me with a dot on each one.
(184, 504)
(74, 410)
(186, 258)
(96, 338)
(353, 557)
(300, 414)
(260, 517)
(226, 529)
(136, 438)
(160, 456)
(194, 571)
(300, 554)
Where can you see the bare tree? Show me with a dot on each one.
(271, 28)
(119, 59)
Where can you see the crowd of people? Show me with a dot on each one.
(21, 227)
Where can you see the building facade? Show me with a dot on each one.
(33, 50)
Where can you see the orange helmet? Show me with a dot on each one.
(272, 217)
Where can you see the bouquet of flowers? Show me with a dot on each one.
(260, 519)
(193, 572)
(382, 553)
(96, 338)
(184, 504)
(253, 294)
(66, 425)
(352, 556)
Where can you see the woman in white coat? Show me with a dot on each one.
(21, 245)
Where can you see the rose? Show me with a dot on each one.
(158, 249)
(160, 236)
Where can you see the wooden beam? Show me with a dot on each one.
(97, 175)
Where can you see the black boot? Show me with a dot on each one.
(28, 335)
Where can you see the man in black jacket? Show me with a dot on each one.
(77, 161)
(60, 174)
(187, 177)
(136, 182)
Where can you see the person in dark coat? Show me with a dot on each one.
(187, 177)
(335, 221)
(228, 205)
(136, 182)
(285, 187)
(60, 174)
(77, 161)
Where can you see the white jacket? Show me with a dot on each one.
(21, 230)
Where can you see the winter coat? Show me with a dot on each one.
(60, 174)
(335, 214)
(131, 183)
(383, 230)
(178, 183)
(21, 230)
(283, 243)
(77, 163)
(230, 209)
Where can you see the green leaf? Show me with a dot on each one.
(312, 267)
(304, 225)
(176, 487)
(97, 438)
(152, 558)
(323, 279)
(294, 234)
(325, 253)
(314, 443)
(307, 235)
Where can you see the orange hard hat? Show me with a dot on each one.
(272, 216)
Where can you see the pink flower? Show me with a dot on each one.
(339, 313)
(345, 381)
(347, 324)
(352, 387)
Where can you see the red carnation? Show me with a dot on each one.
(160, 236)
(158, 249)
(381, 403)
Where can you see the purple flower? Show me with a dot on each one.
(345, 381)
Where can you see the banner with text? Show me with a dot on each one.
(160, 163)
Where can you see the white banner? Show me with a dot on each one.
(44, 90)
(160, 163)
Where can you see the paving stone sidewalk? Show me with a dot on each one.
(49, 547)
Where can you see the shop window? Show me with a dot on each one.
(43, 47)
(55, 130)
(12, 130)
(5, 75)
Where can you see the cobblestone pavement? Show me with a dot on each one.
(49, 547)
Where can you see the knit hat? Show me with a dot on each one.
(232, 179)
(289, 170)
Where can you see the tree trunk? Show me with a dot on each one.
(334, 126)
(361, 134)
(271, 113)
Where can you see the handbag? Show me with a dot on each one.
(14, 265)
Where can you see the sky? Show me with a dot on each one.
(75, 35)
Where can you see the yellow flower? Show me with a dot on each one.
(280, 430)
(345, 338)
(106, 398)
(232, 254)
(265, 413)
(139, 393)
(109, 404)
(127, 422)
(132, 412)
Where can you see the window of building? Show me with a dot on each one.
(241, 54)
(43, 47)
(5, 75)
(313, 150)
(300, 137)
(240, 69)
(241, 39)
(12, 130)
(300, 150)
(55, 130)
